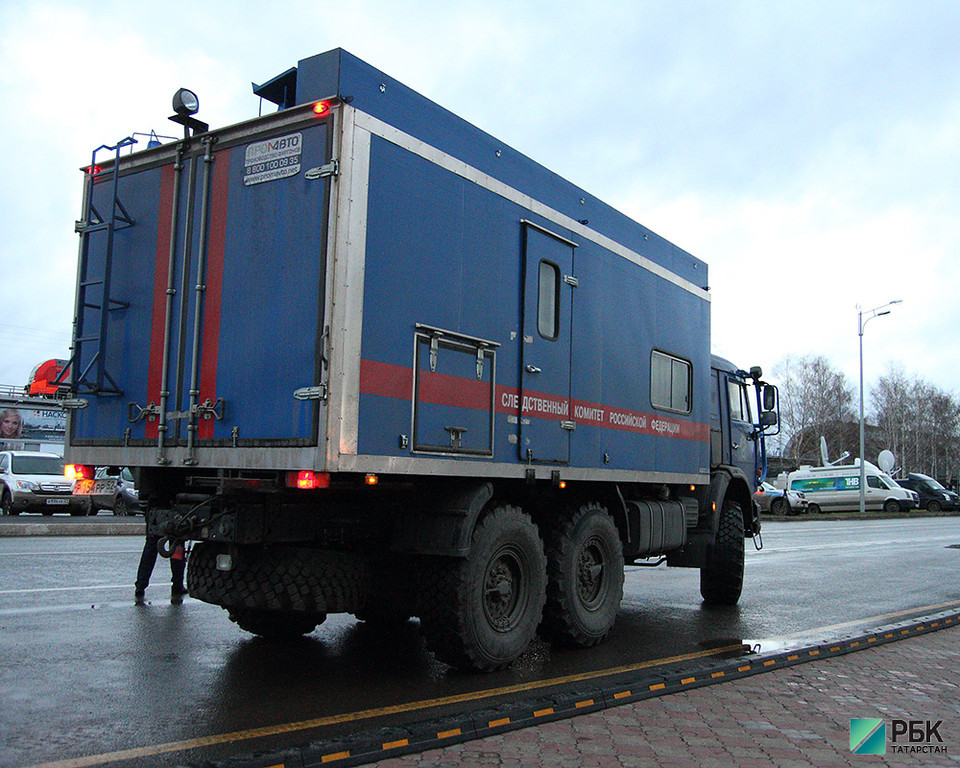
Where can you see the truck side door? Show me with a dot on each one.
(544, 417)
(741, 445)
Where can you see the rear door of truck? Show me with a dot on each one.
(212, 314)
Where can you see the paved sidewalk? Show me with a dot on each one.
(789, 718)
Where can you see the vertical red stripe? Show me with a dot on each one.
(216, 247)
(158, 319)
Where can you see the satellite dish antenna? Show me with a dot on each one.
(886, 460)
(824, 457)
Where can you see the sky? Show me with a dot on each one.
(809, 152)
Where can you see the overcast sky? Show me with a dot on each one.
(809, 152)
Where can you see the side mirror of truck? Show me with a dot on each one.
(768, 419)
(770, 397)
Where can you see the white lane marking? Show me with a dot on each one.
(64, 589)
(769, 548)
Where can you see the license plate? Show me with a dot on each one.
(103, 487)
(58, 501)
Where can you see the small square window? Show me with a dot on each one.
(670, 382)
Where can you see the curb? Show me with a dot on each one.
(61, 528)
(380, 744)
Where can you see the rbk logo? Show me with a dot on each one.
(868, 736)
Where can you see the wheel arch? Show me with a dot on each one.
(731, 483)
(443, 523)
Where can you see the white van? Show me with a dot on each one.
(837, 489)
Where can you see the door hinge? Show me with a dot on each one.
(322, 171)
(571, 280)
(571, 425)
(318, 392)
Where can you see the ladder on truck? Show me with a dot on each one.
(94, 302)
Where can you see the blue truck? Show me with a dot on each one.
(366, 358)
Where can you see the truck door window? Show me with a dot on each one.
(548, 302)
(670, 379)
(874, 482)
(739, 402)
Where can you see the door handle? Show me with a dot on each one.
(736, 446)
(532, 369)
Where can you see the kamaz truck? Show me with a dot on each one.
(364, 357)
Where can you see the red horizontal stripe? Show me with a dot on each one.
(396, 381)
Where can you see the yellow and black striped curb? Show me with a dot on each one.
(373, 745)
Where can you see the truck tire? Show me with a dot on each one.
(482, 611)
(891, 506)
(721, 577)
(584, 578)
(276, 625)
(280, 578)
(778, 506)
(814, 509)
(934, 506)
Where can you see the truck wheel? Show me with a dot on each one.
(482, 611)
(778, 506)
(721, 577)
(934, 506)
(276, 625)
(890, 506)
(584, 578)
(276, 579)
(814, 509)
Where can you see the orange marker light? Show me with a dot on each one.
(371, 479)
(321, 107)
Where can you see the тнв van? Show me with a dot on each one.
(837, 489)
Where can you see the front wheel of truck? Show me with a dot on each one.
(721, 577)
(482, 611)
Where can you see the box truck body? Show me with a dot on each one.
(361, 335)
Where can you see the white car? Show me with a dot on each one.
(778, 502)
(34, 482)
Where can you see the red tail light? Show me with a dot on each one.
(78, 472)
(307, 479)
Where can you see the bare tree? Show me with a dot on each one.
(919, 422)
(815, 400)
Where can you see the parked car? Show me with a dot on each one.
(777, 502)
(115, 491)
(32, 481)
(933, 496)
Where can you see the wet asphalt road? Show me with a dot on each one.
(88, 674)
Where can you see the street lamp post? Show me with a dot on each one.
(861, 322)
